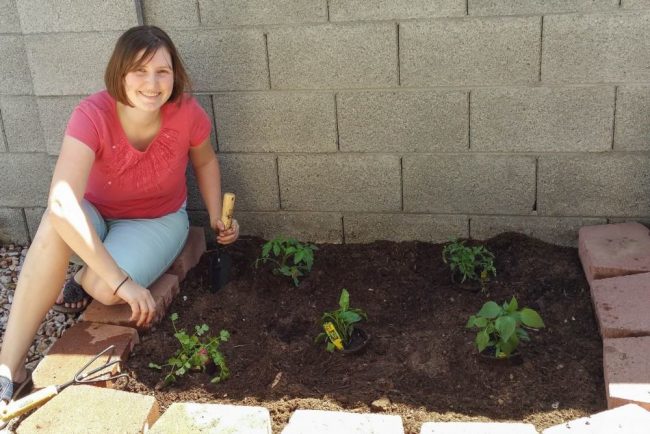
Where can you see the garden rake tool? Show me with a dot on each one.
(40, 397)
(219, 265)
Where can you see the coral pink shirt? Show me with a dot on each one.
(125, 182)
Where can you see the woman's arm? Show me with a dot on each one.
(208, 176)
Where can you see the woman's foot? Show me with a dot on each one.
(73, 298)
(16, 387)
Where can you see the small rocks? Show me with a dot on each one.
(381, 404)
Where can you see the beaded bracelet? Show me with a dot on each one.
(120, 285)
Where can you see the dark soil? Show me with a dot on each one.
(420, 356)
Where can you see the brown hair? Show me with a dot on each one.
(125, 59)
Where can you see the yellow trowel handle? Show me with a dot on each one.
(26, 403)
(227, 208)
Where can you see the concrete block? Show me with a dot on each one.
(54, 113)
(614, 250)
(55, 72)
(538, 7)
(635, 4)
(223, 59)
(469, 184)
(254, 193)
(471, 51)
(627, 372)
(353, 182)
(403, 121)
(33, 216)
(252, 12)
(88, 409)
(185, 417)
(606, 184)
(170, 13)
(596, 48)
(206, 103)
(366, 228)
(9, 21)
(632, 131)
(15, 77)
(3, 141)
(306, 226)
(338, 422)
(341, 56)
(21, 124)
(77, 346)
(16, 190)
(12, 226)
(353, 10)
(477, 428)
(163, 291)
(542, 119)
(554, 230)
(629, 419)
(39, 16)
(276, 122)
(190, 255)
(621, 305)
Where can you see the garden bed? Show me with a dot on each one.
(421, 357)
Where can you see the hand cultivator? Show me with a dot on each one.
(40, 397)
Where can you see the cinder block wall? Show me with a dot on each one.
(355, 120)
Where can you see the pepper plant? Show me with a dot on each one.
(196, 351)
(290, 257)
(339, 324)
(474, 263)
(503, 327)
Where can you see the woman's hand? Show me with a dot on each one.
(143, 307)
(226, 236)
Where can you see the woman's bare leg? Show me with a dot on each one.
(39, 283)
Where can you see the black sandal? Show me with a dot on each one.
(72, 293)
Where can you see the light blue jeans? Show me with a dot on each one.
(143, 248)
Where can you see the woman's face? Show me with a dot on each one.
(150, 85)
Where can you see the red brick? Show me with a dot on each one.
(87, 409)
(163, 291)
(77, 346)
(622, 305)
(629, 419)
(614, 250)
(191, 254)
(627, 371)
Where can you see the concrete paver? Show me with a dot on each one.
(477, 428)
(338, 422)
(622, 305)
(629, 419)
(189, 417)
(627, 371)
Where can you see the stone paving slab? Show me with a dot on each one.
(627, 371)
(338, 422)
(477, 428)
(189, 417)
(88, 409)
(622, 305)
(629, 419)
(191, 254)
(614, 250)
(163, 291)
(77, 346)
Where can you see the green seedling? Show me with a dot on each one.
(339, 324)
(290, 257)
(473, 263)
(197, 351)
(503, 327)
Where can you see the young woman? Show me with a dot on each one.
(118, 194)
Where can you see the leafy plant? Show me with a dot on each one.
(197, 351)
(502, 327)
(291, 257)
(468, 260)
(339, 324)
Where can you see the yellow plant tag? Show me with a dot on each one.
(333, 335)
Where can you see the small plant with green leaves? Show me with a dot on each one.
(474, 263)
(197, 352)
(503, 327)
(290, 257)
(339, 324)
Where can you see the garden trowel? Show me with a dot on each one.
(219, 262)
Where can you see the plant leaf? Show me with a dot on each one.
(489, 310)
(512, 306)
(482, 340)
(344, 301)
(531, 318)
(505, 326)
(154, 366)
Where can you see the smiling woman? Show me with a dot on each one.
(117, 201)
